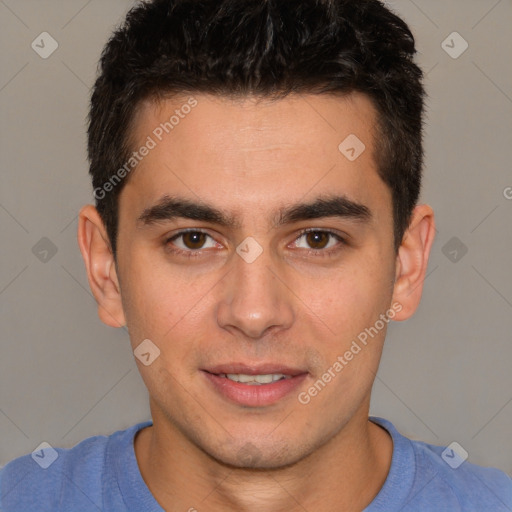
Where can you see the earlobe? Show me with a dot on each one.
(100, 266)
(412, 261)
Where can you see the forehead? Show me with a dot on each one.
(255, 152)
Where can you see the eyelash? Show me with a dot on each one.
(192, 253)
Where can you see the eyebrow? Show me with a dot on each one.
(169, 208)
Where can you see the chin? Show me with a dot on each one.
(262, 455)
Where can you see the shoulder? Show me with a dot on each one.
(473, 487)
(47, 478)
(425, 477)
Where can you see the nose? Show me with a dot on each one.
(255, 299)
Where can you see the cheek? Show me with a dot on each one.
(160, 308)
(165, 305)
(162, 301)
(349, 298)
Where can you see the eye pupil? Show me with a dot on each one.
(313, 239)
(195, 239)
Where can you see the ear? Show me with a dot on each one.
(412, 261)
(100, 266)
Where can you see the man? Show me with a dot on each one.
(256, 168)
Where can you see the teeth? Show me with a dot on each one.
(256, 379)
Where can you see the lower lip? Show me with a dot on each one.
(255, 395)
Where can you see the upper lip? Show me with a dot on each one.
(254, 369)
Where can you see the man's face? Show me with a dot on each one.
(215, 303)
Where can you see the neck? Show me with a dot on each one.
(346, 473)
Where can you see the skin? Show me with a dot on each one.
(288, 306)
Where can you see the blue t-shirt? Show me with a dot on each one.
(101, 474)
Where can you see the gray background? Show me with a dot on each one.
(445, 374)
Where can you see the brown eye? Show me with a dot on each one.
(190, 241)
(320, 242)
(193, 239)
(317, 239)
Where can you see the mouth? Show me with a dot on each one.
(254, 386)
(255, 380)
